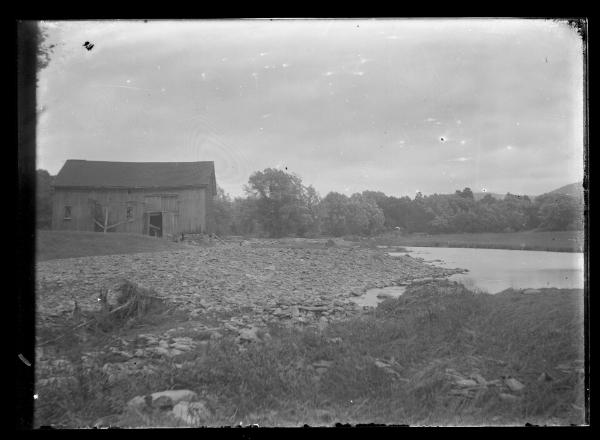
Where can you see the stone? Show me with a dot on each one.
(191, 413)
(58, 381)
(381, 364)
(162, 351)
(116, 372)
(462, 393)
(513, 384)
(544, 377)
(314, 308)
(479, 379)
(163, 403)
(322, 364)
(465, 383)
(183, 340)
(174, 396)
(249, 335)
(108, 421)
(509, 397)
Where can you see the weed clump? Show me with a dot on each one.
(133, 303)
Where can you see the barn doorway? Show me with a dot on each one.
(155, 225)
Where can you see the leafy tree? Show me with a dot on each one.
(333, 212)
(465, 193)
(312, 201)
(376, 219)
(280, 202)
(357, 218)
(419, 215)
(396, 211)
(488, 199)
(44, 49)
(560, 212)
(244, 214)
(223, 212)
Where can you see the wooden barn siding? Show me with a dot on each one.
(189, 204)
(210, 215)
(192, 211)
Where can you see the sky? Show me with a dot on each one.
(398, 106)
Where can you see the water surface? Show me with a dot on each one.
(494, 270)
(370, 297)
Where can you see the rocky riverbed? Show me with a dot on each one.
(227, 290)
(258, 284)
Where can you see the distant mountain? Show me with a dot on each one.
(573, 189)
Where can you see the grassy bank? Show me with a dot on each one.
(399, 364)
(52, 245)
(557, 241)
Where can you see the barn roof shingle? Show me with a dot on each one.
(100, 174)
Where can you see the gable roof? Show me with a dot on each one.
(100, 174)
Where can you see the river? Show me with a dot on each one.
(494, 270)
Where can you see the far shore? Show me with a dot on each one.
(554, 241)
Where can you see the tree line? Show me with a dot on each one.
(278, 204)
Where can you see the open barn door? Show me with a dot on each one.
(155, 224)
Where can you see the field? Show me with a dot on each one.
(68, 244)
(558, 241)
(266, 333)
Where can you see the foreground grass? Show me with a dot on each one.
(557, 241)
(423, 334)
(52, 245)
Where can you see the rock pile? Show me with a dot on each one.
(181, 405)
(508, 388)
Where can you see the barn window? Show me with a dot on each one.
(67, 213)
(129, 212)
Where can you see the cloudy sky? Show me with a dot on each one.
(393, 105)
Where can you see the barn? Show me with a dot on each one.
(162, 199)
